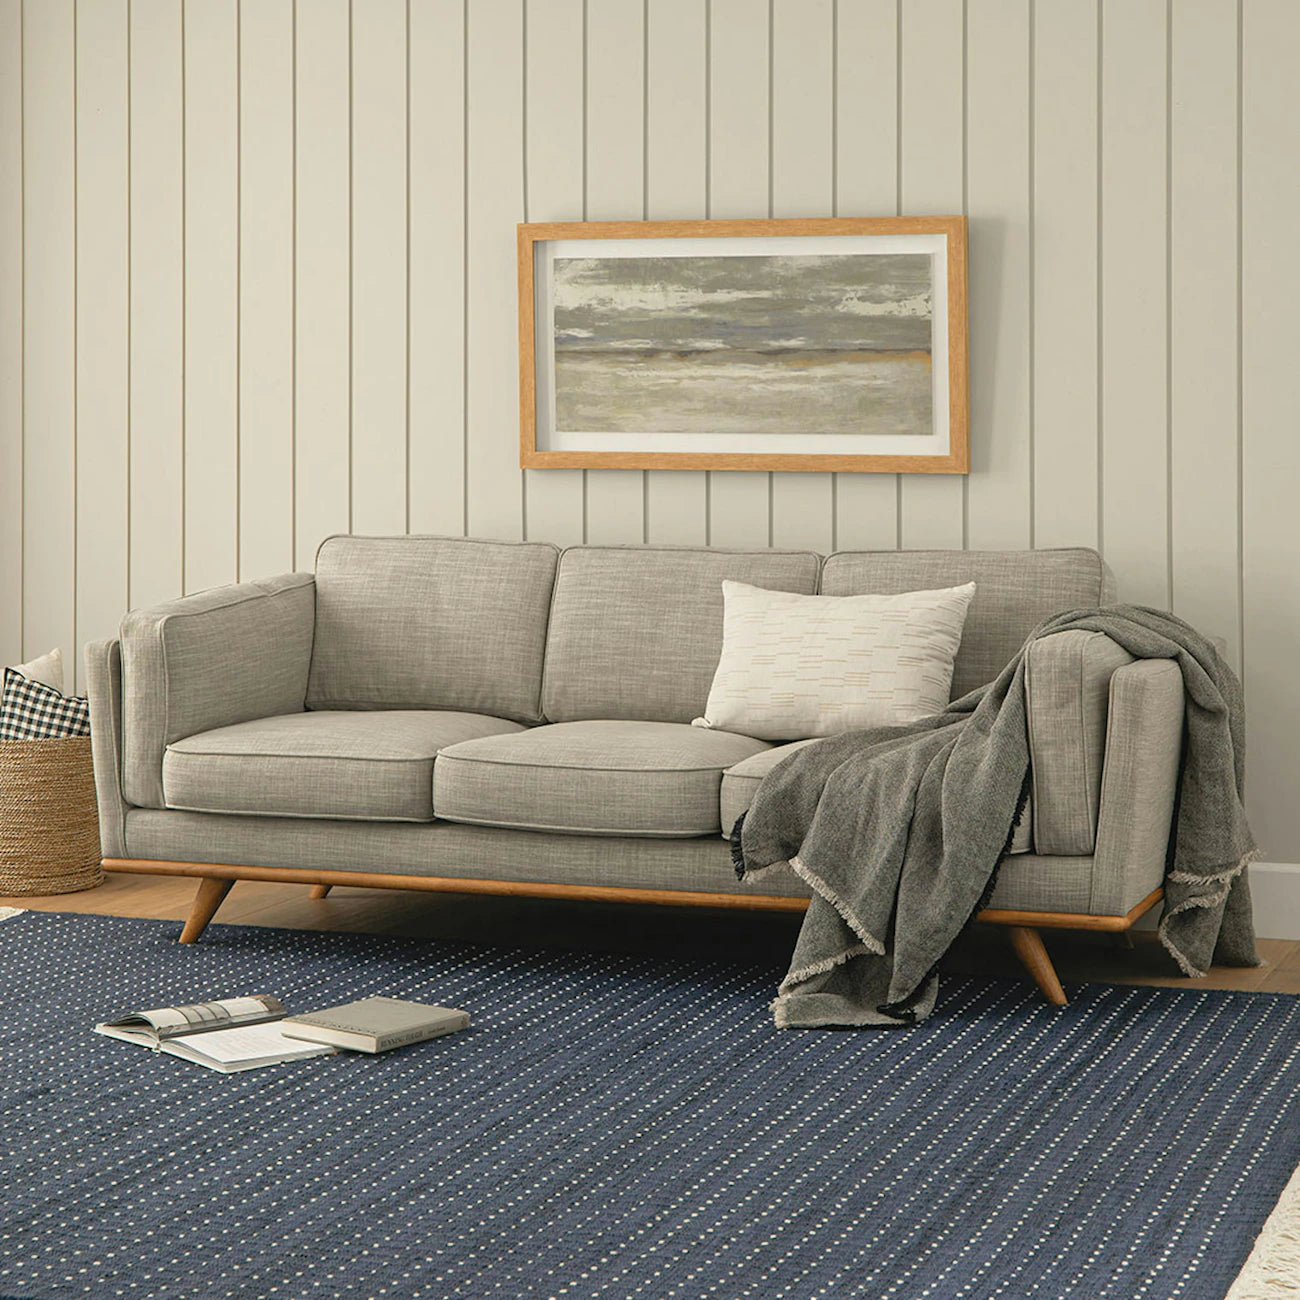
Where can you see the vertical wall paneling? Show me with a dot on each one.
(322, 305)
(211, 293)
(11, 333)
(1134, 289)
(157, 304)
(615, 72)
(997, 192)
(803, 185)
(266, 276)
(379, 267)
(931, 88)
(1065, 274)
(866, 185)
(1270, 418)
(676, 176)
(49, 358)
(257, 283)
(436, 261)
(739, 168)
(553, 128)
(1204, 303)
(102, 304)
(494, 98)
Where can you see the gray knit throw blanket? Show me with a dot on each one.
(899, 831)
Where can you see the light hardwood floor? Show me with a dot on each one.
(700, 932)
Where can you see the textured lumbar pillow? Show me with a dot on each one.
(48, 669)
(799, 666)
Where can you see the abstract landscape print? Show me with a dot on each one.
(817, 343)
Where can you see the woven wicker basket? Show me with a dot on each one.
(49, 823)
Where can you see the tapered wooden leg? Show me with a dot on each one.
(1028, 944)
(212, 891)
(319, 891)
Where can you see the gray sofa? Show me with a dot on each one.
(496, 717)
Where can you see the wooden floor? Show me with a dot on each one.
(527, 922)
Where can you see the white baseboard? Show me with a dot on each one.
(1275, 892)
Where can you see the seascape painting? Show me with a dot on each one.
(825, 344)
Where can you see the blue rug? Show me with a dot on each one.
(620, 1127)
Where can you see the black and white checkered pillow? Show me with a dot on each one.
(33, 711)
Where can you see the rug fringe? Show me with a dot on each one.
(1273, 1268)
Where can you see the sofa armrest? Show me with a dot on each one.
(104, 691)
(210, 660)
(1067, 693)
(1144, 737)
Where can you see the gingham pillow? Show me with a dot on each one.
(32, 711)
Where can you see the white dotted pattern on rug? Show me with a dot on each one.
(622, 1128)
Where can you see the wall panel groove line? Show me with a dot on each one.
(257, 283)
(1030, 245)
(464, 225)
(352, 190)
(76, 337)
(1101, 283)
(13, 362)
(293, 287)
(1241, 368)
(1169, 299)
(239, 278)
(406, 265)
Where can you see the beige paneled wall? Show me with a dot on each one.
(257, 282)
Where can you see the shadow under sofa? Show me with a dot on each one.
(494, 717)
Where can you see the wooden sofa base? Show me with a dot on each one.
(217, 879)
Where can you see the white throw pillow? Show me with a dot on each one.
(799, 666)
(48, 669)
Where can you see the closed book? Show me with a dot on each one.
(375, 1024)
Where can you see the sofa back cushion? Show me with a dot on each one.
(636, 631)
(1014, 592)
(431, 623)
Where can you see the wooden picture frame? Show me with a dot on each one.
(646, 345)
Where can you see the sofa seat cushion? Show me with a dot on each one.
(740, 784)
(597, 777)
(371, 766)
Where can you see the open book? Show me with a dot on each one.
(234, 1034)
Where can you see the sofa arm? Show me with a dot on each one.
(104, 691)
(1144, 737)
(1067, 695)
(210, 660)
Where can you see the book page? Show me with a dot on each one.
(199, 1017)
(249, 1043)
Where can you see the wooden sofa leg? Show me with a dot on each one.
(319, 891)
(1028, 944)
(212, 891)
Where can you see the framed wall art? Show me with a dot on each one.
(836, 344)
